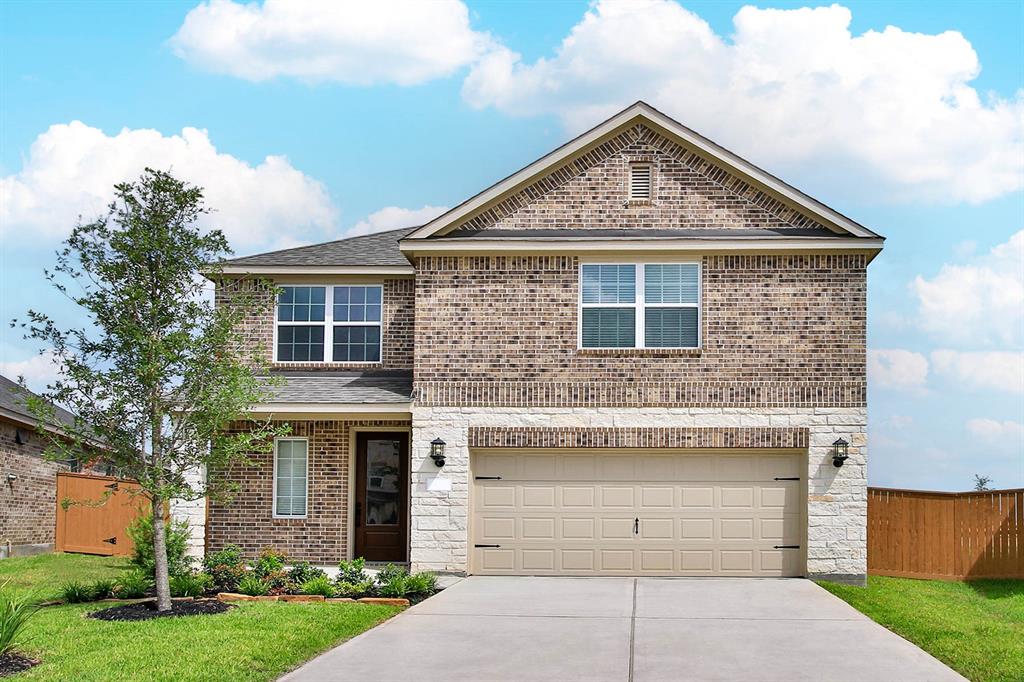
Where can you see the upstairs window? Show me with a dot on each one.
(640, 305)
(641, 177)
(348, 329)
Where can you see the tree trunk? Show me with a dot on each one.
(163, 583)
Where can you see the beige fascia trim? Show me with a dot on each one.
(628, 117)
(318, 270)
(662, 245)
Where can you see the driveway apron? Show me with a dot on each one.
(627, 630)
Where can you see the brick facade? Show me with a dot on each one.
(590, 192)
(28, 505)
(397, 317)
(247, 519)
(781, 330)
(637, 437)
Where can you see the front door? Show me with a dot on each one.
(382, 484)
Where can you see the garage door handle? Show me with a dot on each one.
(636, 526)
(787, 546)
(487, 478)
(487, 545)
(783, 478)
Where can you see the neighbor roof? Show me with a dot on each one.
(380, 248)
(343, 387)
(12, 404)
(641, 112)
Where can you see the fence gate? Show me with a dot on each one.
(93, 513)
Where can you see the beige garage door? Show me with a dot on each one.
(637, 513)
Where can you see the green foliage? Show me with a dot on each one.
(226, 567)
(422, 583)
(16, 610)
(177, 534)
(360, 588)
(190, 584)
(320, 584)
(303, 571)
(352, 571)
(269, 562)
(395, 581)
(253, 586)
(75, 592)
(389, 573)
(133, 584)
(103, 588)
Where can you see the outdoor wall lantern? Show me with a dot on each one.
(839, 452)
(17, 437)
(437, 452)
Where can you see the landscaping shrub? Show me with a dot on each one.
(422, 583)
(253, 586)
(226, 567)
(389, 573)
(397, 585)
(303, 572)
(352, 571)
(177, 533)
(75, 592)
(270, 562)
(361, 588)
(320, 584)
(15, 612)
(190, 584)
(133, 585)
(103, 589)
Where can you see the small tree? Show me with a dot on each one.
(161, 370)
(981, 483)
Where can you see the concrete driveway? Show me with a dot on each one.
(628, 630)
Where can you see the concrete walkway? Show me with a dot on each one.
(627, 630)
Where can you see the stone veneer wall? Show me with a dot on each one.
(322, 537)
(836, 509)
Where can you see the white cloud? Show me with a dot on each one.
(897, 368)
(38, 370)
(985, 370)
(71, 170)
(394, 217)
(1009, 433)
(395, 41)
(887, 113)
(980, 302)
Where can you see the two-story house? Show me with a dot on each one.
(639, 355)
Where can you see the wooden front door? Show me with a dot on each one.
(382, 496)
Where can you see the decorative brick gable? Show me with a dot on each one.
(637, 437)
(590, 192)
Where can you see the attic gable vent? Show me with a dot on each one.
(640, 185)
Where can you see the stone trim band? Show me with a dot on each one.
(638, 437)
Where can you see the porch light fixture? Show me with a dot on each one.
(839, 452)
(437, 452)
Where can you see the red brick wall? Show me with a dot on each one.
(28, 506)
(247, 519)
(782, 330)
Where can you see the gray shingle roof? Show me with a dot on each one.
(343, 387)
(380, 248)
(12, 399)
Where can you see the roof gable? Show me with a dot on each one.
(728, 191)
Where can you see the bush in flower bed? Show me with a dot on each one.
(253, 586)
(391, 581)
(320, 585)
(225, 567)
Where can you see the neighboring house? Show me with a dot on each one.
(28, 481)
(638, 352)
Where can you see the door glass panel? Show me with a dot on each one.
(383, 461)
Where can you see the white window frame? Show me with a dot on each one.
(274, 500)
(329, 324)
(639, 305)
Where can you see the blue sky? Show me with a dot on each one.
(905, 116)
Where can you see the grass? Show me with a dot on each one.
(253, 641)
(976, 628)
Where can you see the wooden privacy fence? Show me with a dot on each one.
(93, 513)
(946, 536)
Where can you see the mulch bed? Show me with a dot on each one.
(147, 610)
(15, 663)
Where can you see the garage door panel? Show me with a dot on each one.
(637, 515)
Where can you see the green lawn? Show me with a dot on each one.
(976, 628)
(252, 641)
